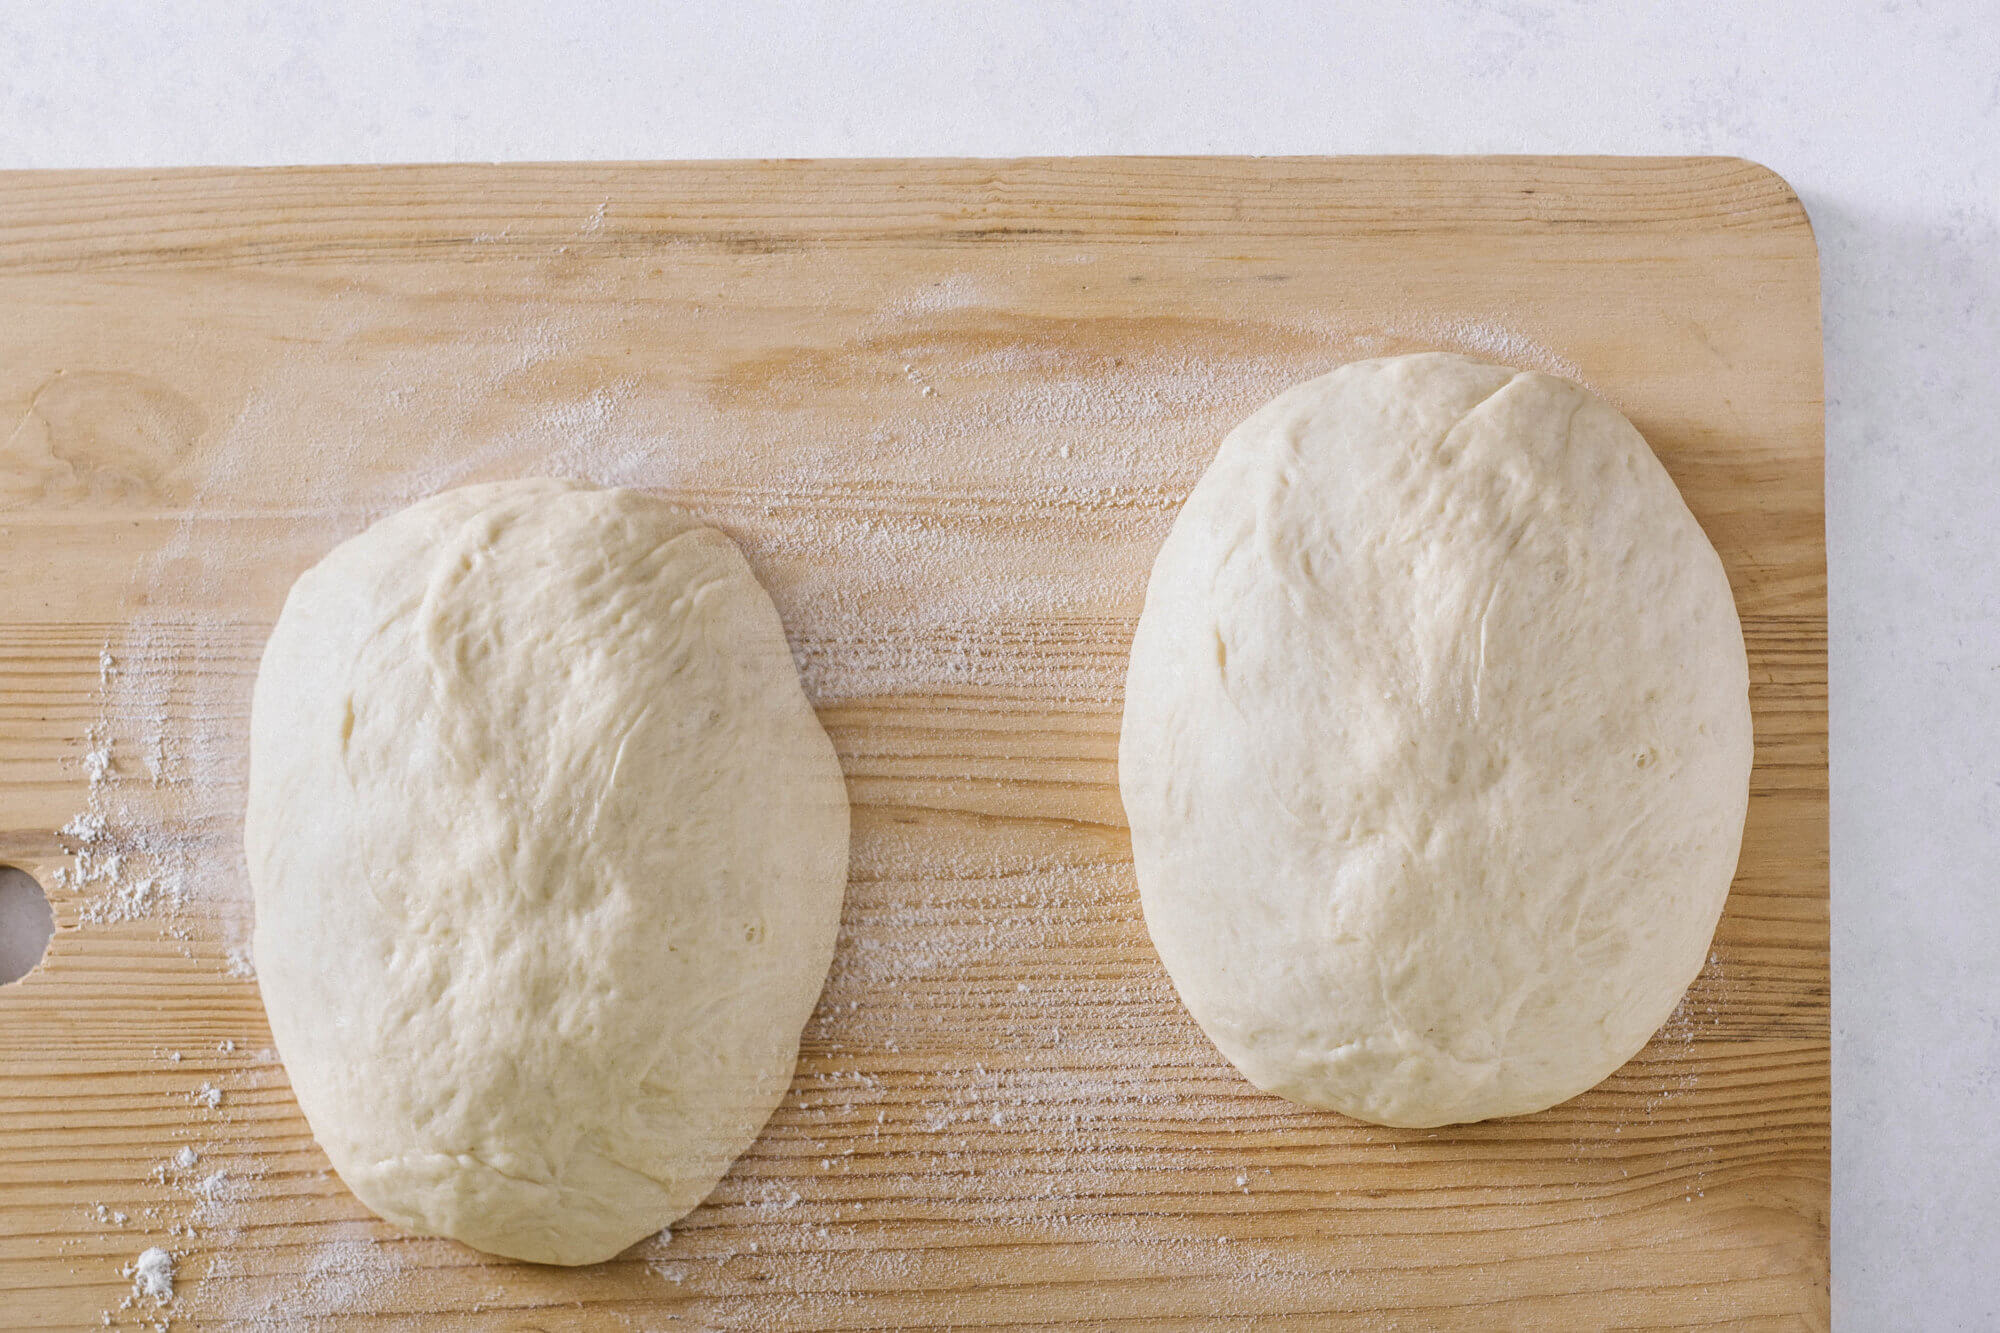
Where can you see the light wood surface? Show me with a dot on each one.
(948, 409)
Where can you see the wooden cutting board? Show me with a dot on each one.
(948, 408)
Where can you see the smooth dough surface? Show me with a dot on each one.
(1437, 744)
(548, 851)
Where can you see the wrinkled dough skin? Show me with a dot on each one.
(1437, 744)
(548, 851)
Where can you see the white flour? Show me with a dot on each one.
(995, 1024)
(152, 1275)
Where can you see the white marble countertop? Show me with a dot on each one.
(1886, 121)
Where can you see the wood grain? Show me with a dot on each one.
(948, 408)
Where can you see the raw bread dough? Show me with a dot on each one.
(1437, 743)
(548, 851)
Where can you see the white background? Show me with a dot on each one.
(1885, 118)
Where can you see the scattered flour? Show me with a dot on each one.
(97, 762)
(86, 827)
(895, 551)
(152, 1275)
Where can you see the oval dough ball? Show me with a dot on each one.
(1436, 746)
(548, 851)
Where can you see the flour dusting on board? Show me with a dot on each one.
(955, 506)
(152, 1275)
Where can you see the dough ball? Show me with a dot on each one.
(548, 851)
(1436, 746)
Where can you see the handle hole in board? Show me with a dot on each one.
(27, 924)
